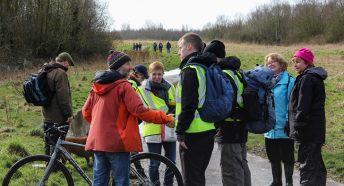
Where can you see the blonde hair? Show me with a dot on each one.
(156, 65)
(279, 59)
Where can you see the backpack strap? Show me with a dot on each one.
(235, 106)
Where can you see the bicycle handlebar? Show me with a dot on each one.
(60, 129)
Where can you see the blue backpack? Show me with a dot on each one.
(218, 96)
(36, 89)
(258, 100)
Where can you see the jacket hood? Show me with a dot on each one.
(205, 59)
(107, 76)
(104, 81)
(230, 62)
(318, 71)
(102, 89)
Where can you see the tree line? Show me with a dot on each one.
(40, 29)
(44, 28)
(283, 23)
(320, 21)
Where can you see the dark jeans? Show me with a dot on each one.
(170, 153)
(312, 168)
(195, 159)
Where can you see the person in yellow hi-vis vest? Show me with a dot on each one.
(195, 136)
(158, 94)
(138, 75)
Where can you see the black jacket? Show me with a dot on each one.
(307, 106)
(189, 83)
(231, 131)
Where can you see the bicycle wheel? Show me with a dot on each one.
(153, 169)
(29, 171)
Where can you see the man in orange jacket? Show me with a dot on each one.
(112, 109)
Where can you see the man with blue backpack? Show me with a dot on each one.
(59, 110)
(194, 133)
(231, 132)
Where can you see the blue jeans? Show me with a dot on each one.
(118, 163)
(170, 153)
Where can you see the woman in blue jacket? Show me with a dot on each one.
(279, 148)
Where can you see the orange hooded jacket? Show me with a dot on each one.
(113, 110)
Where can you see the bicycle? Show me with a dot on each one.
(48, 170)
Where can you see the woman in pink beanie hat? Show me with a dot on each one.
(307, 117)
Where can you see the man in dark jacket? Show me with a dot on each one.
(231, 133)
(168, 47)
(307, 117)
(195, 136)
(59, 110)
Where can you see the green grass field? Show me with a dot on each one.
(20, 123)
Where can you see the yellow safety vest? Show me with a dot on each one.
(133, 84)
(197, 125)
(240, 88)
(155, 103)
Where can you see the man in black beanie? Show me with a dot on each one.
(231, 133)
(216, 47)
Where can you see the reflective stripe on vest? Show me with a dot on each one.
(240, 88)
(197, 125)
(133, 84)
(155, 103)
(239, 85)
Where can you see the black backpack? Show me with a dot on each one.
(36, 89)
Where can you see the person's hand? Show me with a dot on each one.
(182, 145)
(171, 124)
(69, 120)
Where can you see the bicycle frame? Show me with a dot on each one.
(61, 151)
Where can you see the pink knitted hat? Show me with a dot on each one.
(305, 54)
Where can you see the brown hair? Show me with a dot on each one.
(279, 59)
(156, 65)
(193, 39)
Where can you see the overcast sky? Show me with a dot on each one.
(175, 13)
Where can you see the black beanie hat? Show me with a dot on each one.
(216, 47)
(117, 59)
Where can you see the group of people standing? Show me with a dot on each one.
(160, 46)
(137, 47)
(120, 97)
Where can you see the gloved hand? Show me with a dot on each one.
(299, 133)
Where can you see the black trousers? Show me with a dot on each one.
(279, 150)
(50, 138)
(312, 168)
(195, 159)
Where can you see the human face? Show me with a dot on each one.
(156, 76)
(184, 49)
(139, 77)
(274, 66)
(299, 65)
(125, 69)
(64, 63)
